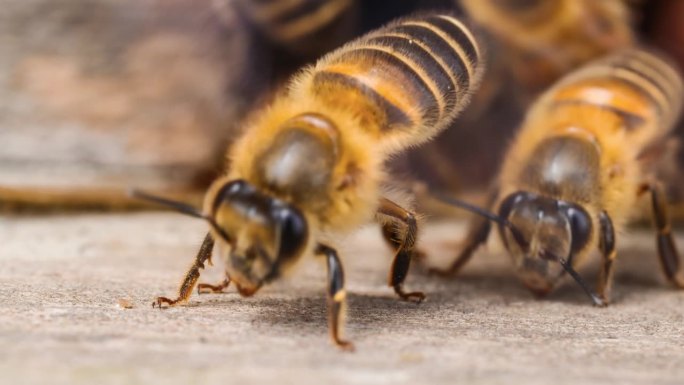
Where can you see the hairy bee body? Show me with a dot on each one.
(578, 153)
(393, 88)
(547, 39)
(310, 165)
(616, 107)
(412, 78)
(572, 176)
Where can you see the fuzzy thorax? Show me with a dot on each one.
(347, 195)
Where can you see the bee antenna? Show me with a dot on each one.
(181, 207)
(483, 213)
(573, 273)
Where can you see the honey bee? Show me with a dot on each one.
(572, 176)
(302, 26)
(310, 165)
(543, 40)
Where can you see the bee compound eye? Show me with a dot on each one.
(580, 226)
(293, 232)
(511, 201)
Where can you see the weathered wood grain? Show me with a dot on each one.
(107, 94)
(63, 279)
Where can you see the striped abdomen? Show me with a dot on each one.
(542, 40)
(532, 12)
(409, 79)
(290, 22)
(642, 88)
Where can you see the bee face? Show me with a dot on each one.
(261, 235)
(547, 230)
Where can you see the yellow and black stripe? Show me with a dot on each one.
(289, 21)
(416, 74)
(653, 76)
(643, 87)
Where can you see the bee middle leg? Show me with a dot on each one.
(203, 288)
(403, 244)
(478, 232)
(389, 234)
(191, 277)
(337, 296)
(667, 250)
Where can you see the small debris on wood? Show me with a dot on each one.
(125, 303)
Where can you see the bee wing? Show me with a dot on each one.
(660, 157)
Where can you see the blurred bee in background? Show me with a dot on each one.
(311, 165)
(570, 180)
(542, 40)
(306, 27)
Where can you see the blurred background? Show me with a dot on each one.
(97, 96)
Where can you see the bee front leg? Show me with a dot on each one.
(404, 244)
(607, 248)
(337, 296)
(478, 233)
(667, 250)
(203, 288)
(191, 277)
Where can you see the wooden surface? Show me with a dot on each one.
(64, 279)
(98, 94)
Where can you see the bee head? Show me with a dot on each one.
(258, 235)
(545, 233)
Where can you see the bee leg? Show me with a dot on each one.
(607, 248)
(208, 288)
(404, 250)
(478, 232)
(191, 276)
(667, 250)
(337, 296)
(389, 233)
